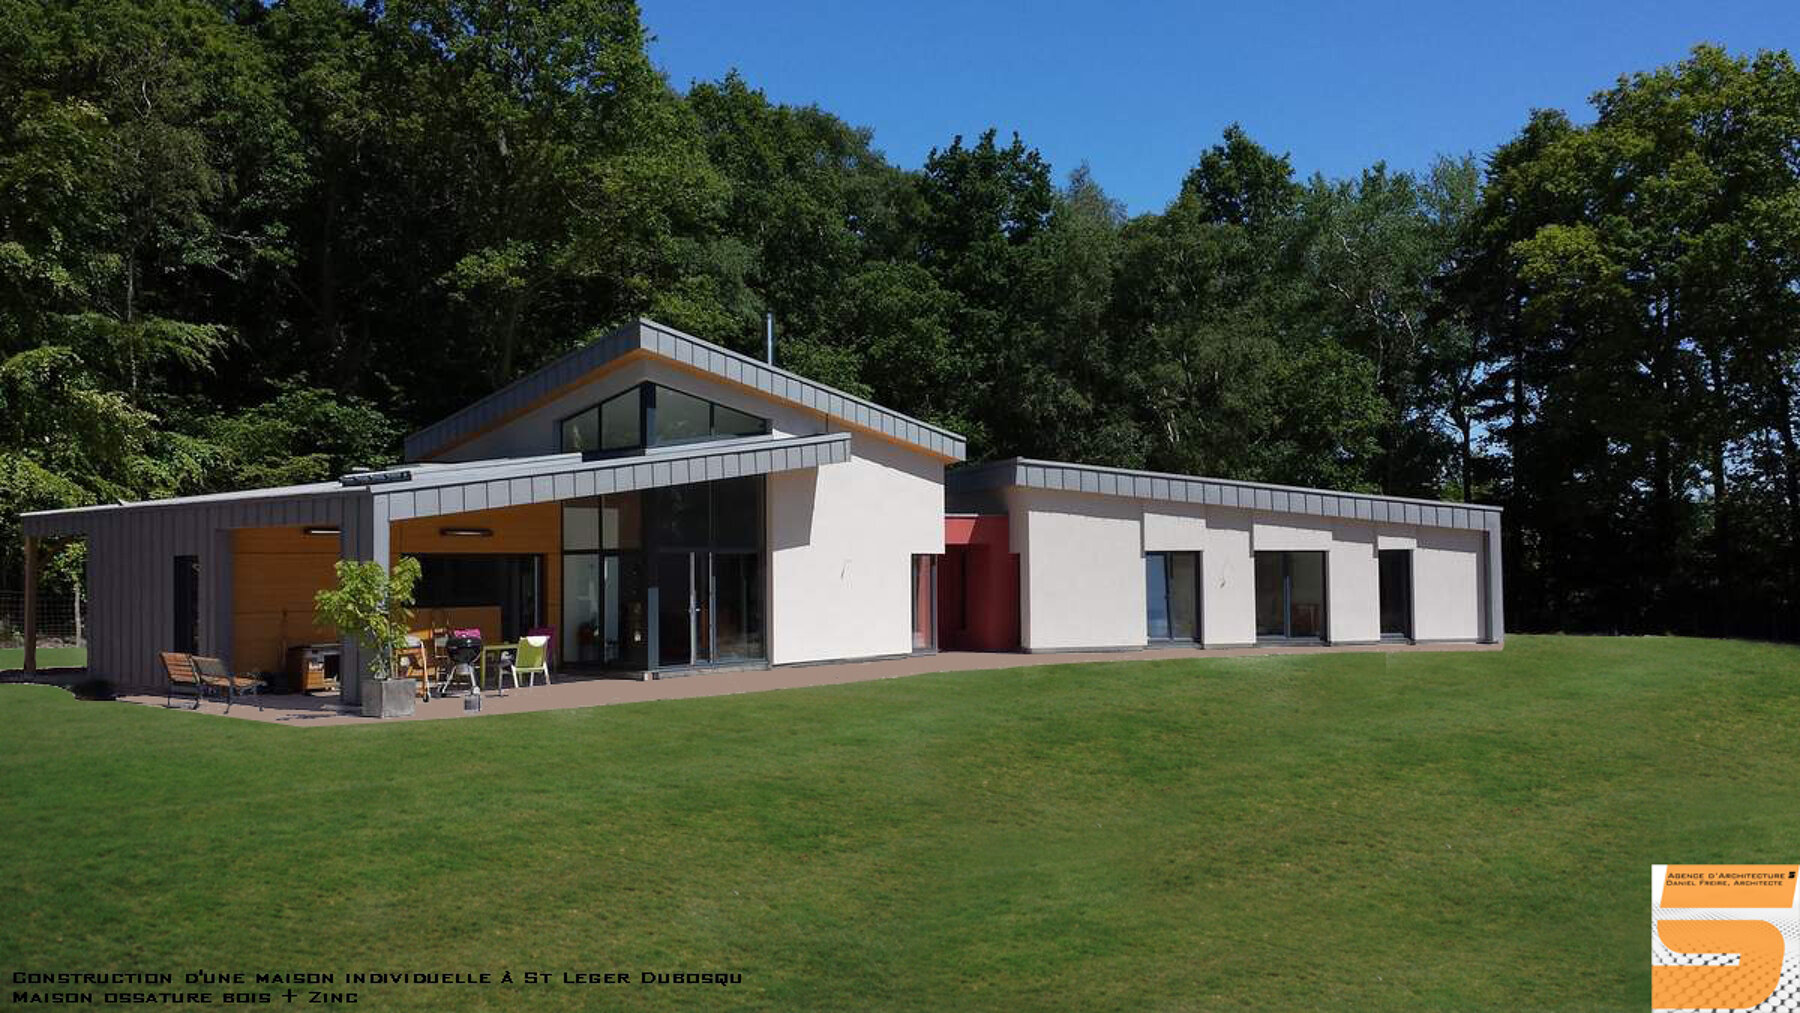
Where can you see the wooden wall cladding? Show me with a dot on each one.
(275, 573)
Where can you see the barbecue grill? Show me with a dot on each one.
(463, 648)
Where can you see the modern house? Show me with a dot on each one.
(668, 505)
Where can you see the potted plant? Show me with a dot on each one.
(373, 607)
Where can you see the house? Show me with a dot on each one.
(667, 505)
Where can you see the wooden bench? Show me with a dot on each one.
(191, 675)
(182, 678)
(216, 677)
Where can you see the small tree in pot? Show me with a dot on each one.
(373, 606)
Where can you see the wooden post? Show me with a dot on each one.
(31, 583)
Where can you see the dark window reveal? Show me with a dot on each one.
(1396, 594)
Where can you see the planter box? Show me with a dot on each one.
(389, 698)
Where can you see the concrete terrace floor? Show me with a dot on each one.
(312, 711)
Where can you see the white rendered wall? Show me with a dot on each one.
(841, 542)
(1082, 582)
(1447, 579)
(1081, 569)
(1353, 585)
(1228, 608)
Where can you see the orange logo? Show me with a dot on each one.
(1759, 949)
(1756, 944)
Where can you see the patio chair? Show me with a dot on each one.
(215, 676)
(533, 660)
(414, 662)
(180, 670)
(438, 654)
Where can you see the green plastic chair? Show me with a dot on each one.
(533, 660)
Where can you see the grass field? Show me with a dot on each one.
(1427, 831)
(12, 658)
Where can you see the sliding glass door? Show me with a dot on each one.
(709, 608)
(1172, 596)
(680, 631)
(737, 606)
(1290, 595)
(666, 578)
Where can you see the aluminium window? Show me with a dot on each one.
(1290, 596)
(1172, 596)
(651, 415)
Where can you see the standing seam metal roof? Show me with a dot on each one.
(1161, 486)
(647, 335)
(433, 490)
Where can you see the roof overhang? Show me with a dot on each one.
(646, 337)
(1163, 487)
(454, 489)
(430, 490)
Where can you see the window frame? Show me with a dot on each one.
(1409, 635)
(1167, 557)
(1287, 598)
(645, 390)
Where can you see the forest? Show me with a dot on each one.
(247, 243)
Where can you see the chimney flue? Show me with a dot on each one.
(769, 338)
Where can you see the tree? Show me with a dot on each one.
(1625, 279)
(372, 606)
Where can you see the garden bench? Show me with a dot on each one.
(182, 678)
(215, 676)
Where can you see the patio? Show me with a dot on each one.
(313, 711)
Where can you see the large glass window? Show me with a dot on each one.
(1172, 595)
(1396, 594)
(602, 522)
(679, 515)
(625, 626)
(698, 546)
(680, 417)
(622, 521)
(924, 603)
(738, 605)
(1290, 595)
(676, 609)
(617, 424)
(1156, 594)
(622, 422)
(737, 521)
(1271, 595)
(730, 422)
(581, 433)
(580, 628)
(581, 525)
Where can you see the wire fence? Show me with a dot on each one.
(61, 620)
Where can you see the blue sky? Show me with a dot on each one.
(1138, 90)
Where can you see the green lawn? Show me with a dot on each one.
(13, 658)
(1363, 831)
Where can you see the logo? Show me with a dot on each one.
(1721, 936)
